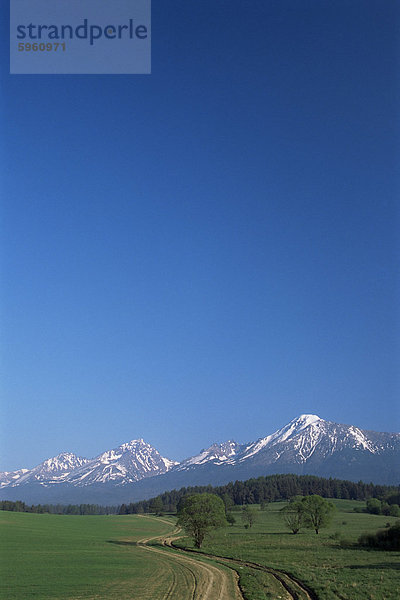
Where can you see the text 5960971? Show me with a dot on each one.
(42, 47)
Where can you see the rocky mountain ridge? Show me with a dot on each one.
(306, 445)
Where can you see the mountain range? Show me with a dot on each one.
(135, 470)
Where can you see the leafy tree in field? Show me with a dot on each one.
(293, 515)
(248, 516)
(200, 514)
(374, 506)
(317, 512)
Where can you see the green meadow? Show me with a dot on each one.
(95, 557)
(56, 556)
(330, 563)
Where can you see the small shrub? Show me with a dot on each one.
(231, 519)
(374, 506)
(384, 539)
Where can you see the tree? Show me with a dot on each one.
(227, 500)
(317, 512)
(374, 506)
(231, 519)
(248, 516)
(293, 515)
(200, 514)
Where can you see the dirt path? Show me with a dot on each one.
(193, 578)
(205, 581)
(295, 589)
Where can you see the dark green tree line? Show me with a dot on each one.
(272, 488)
(59, 509)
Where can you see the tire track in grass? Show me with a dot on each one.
(174, 587)
(296, 589)
(169, 595)
(209, 582)
(181, 573)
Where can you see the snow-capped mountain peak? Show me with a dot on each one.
(52, 470)
(216, 454)
(307, 444)
(128, 463)
(289, 430)
(133, 444)
(305, 420)
(295, 426)
(11, 477)
(65, 461)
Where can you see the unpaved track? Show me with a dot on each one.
(193, 578)
(295, 589)
(208, 582)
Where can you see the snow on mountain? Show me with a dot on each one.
(290, 430)
(308, 444)
(129, 462)
(216, 454)
(8, 477)
(52, 470)
(311, 438)
(169, 464)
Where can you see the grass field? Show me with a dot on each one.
(331, 567)
(95, 557)
(108, 557)
(58, 557)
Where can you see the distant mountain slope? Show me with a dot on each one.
(129, 462)
(135, 470)
(53, 470)
(8, 477)
(217, 454)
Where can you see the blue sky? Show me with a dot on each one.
(209, 251)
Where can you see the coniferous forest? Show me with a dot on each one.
(270, 489)
(259, 490)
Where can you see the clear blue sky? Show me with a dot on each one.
(209, 251)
